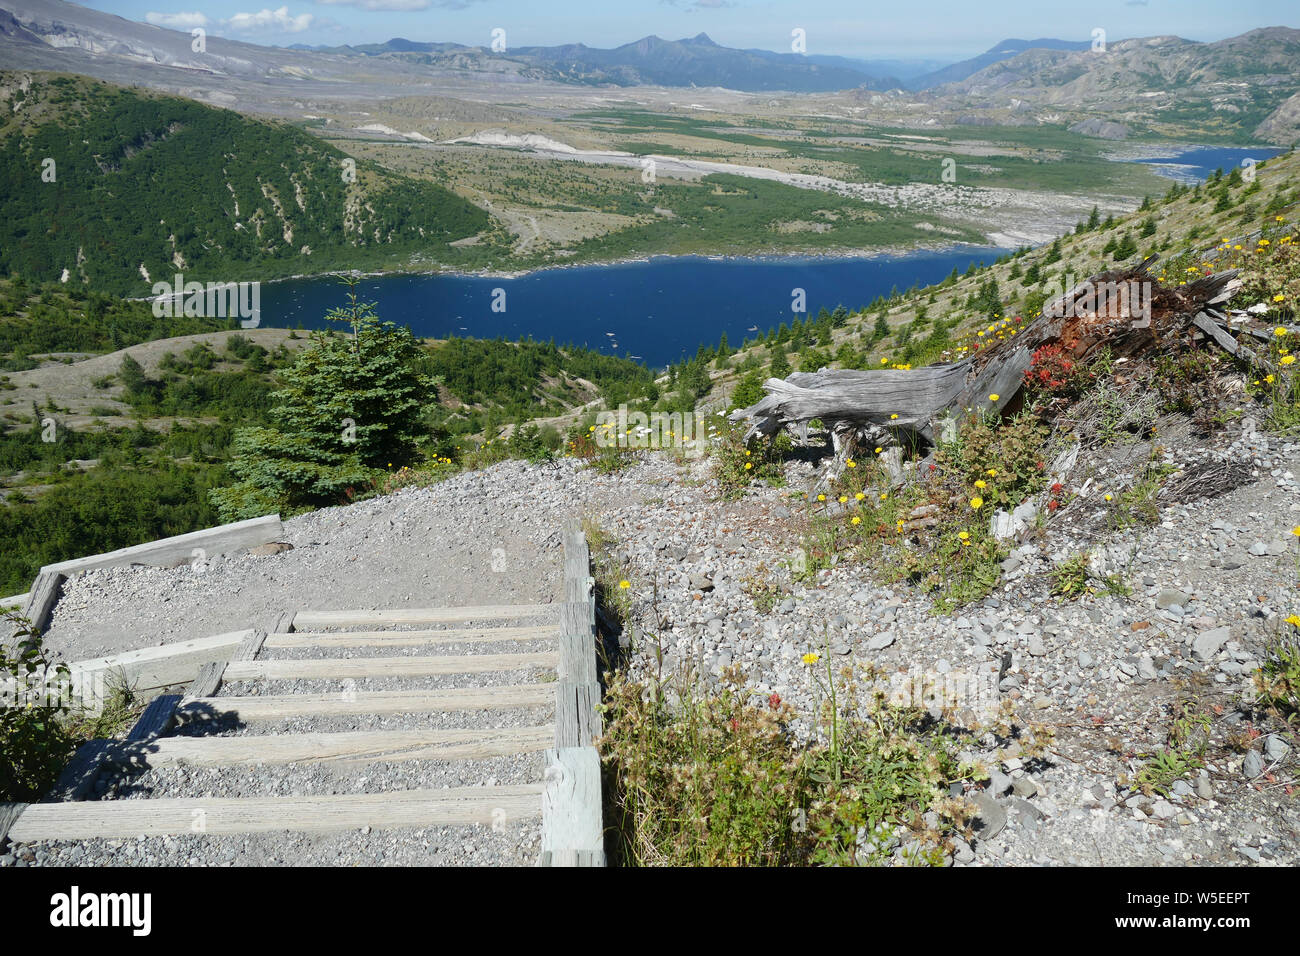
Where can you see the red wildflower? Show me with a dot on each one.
(1053, 505)
(774, 701)
(1056, 488)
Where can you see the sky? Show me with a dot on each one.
(940, 29)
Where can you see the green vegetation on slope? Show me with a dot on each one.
(173, 185)
(67, 318)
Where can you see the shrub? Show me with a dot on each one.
(34, 746)
(1277, 682)
(1053, 372)
(738, 463)
(716, 778)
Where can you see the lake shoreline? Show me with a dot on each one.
(845, 255)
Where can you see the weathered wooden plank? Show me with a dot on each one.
(307, 620)
(390, 746)
(118, 819)
(168, 552)
(275, 707)
(209, 679)
(151, 668)
(157, 717)
(284, 622)
(572, 821)
(578, 641)
(42, 598)
(577, 721)
(9, 812)
(578, 582)
(1211, 328)
(573, 858)
(80, 773)
(343, 667)
(248, 648)
(474, 635)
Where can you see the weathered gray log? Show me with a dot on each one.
(1125, 310)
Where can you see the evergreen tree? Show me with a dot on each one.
(881, 329)
(350, 406)
(748, 390)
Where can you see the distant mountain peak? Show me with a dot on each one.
(701, 39)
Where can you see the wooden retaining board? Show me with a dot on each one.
(572, 804)
(571, 807)
(151, 668)
(39, 607)
(470, 635)
(275, 707)
(168, 552)
(345, 667)
(122, 819)
(307, 620)
(348, 747)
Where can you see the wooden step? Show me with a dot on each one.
(344, 667)
(307, 620)
(469, 635)
(349, 747)
(274, 707)
(127, 819)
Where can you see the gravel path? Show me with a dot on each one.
(1212, 585)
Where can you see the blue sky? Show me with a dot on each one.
(949, 29)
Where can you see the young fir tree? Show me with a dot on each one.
(350, 406)
(780, 367)
(881, 329)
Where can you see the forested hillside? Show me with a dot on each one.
(112, 184)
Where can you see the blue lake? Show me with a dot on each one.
(658, 311)
(1196, 163)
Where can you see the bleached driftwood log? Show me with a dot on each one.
(1125, 310)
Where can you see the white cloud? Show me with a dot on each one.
(177, 21)
(403, 5)
(277, 20)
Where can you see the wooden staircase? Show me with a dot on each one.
(554, 643)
